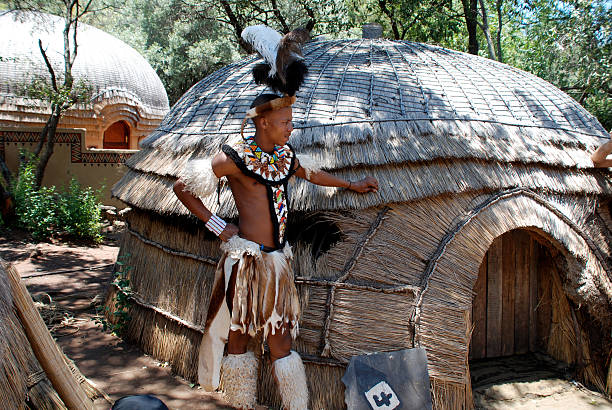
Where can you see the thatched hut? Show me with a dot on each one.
(128, 99)
(34, 373)
(490, 234)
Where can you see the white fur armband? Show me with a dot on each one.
(199, 177)
(309, 165)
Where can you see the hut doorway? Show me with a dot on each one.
(524, 327)
(117, 136)
(511, 309)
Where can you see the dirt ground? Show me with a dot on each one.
(74, 277)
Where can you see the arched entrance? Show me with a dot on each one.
(511, 309)
(117, 136)
(520, 311)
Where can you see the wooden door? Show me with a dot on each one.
(511, 304)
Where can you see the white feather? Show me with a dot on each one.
(309, 164)
(199, 178)
(266, 41)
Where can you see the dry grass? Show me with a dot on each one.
(432, 246)
(21, 375)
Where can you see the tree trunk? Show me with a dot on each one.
(498, 6)
(46, 155)
(236, 24)
(486, 31)
(6, 172)
(384, 7)
(471, 21)
(7, 204)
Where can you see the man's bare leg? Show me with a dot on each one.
(239, 367)
(288, 370)
(280, 343)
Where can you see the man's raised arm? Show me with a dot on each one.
(318, 177)
(599, 157)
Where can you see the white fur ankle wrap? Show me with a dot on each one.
(291, 378)
(239, 380)
(199, 177)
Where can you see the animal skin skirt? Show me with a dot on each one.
(264, 299)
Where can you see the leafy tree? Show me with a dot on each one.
(432, 21)
(570, 45)
(60, 88)
(185, 40)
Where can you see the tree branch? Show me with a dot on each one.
(280, 17)
(389, 13)
(49, 66)
(236, 24)
(311, 14)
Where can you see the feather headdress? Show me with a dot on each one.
(284, 69)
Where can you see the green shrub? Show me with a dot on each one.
(117, 318)
(78, 211)
(48, 211)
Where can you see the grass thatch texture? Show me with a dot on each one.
(324, 386)
(162, 338)
(354, 86)
(567, 340)
(21, 375)
(179, 285)
(426, 128)
(447, 395)
(395, 143)
(402, 183)
(358, 327)
(434, 246)
(609, 381)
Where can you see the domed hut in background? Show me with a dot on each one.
(128, 99)
(490, 234)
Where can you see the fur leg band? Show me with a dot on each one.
(239, 380)
(291, 378)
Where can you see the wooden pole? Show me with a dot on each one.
(47, 352)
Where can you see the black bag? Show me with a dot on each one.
(392, 380)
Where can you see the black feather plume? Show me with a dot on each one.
(294, 75)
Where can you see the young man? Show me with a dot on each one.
(254, 288)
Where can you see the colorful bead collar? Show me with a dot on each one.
(273, 167)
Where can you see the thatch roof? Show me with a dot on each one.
(422, 119)
(115, 70)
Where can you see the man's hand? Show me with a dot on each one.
(368, 184)
(229, 231)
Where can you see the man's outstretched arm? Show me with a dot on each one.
(600, 154)
(219, 167)
(318, 177)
